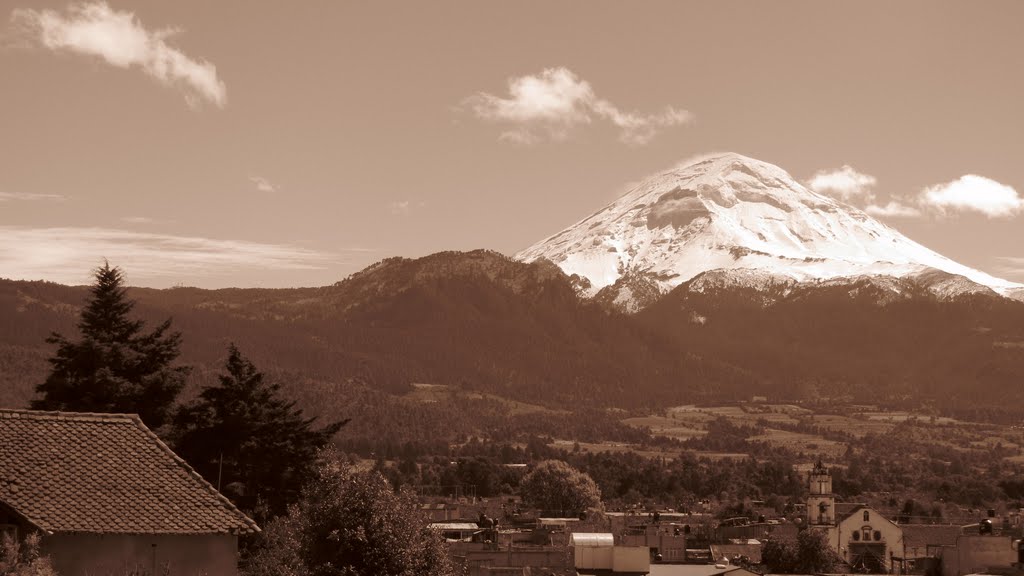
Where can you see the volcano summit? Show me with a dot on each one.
(752, 222)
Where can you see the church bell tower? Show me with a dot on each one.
(821, 503)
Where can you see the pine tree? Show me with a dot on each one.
(115, 367)
(242, 435)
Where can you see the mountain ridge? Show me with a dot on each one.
(482, 322)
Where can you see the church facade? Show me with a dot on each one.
(862, 536)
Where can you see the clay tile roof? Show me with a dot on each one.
(845, 509)
(105, 473)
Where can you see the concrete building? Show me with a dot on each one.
(107, 495)
(596, 553)
(978, 554)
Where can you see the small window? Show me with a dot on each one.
(856, 535)
(867, 516)
(878, 535)
(866, 533)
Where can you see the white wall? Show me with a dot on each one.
(631, 559)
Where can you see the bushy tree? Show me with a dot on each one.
(556, 486)
(241, 433)
(115, 366)
(24, 558)
(810, 555)
(779, 557)
(350, 523)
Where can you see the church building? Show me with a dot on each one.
(861, 535)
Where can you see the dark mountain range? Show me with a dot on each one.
(870, 340)
(484, 323)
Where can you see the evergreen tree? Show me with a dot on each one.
(241, 435)
(115, 366)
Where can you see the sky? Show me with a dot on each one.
(264, 143)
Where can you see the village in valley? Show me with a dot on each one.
(103, 494)
(99, 478)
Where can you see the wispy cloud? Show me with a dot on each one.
(67, 254)
(404, 206)
(28, 197)
(1011, 265)
(137, 219)
(894, 209)
(399, 206)
(119, 38)
(972, 193)
(551, 104)
(846, 183)
(262, 184)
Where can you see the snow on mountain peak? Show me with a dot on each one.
(731, 212)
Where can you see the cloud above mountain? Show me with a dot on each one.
(969, 193)
(552, 104)
(120, 39)
(846, 183)
(893, 209)
(66, 254)
(972, 193)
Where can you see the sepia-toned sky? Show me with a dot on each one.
(265, 143)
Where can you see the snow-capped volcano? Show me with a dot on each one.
(731, 212)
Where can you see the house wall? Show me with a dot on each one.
(596, 557)
(635, 559)
(183, 555)
(9, 519)
(976, 553)
(671, 547)
(477, 557)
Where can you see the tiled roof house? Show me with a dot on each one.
(107, 494)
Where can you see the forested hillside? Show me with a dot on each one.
(481, 322)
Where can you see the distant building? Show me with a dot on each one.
(596, 553)
(457, 531)
(442, 511)
(976, 553)
(862, 536)
(107, 494)
(922, 543)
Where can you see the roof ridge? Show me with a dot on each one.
(249, 522)
(140, 440)
(63, 415)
